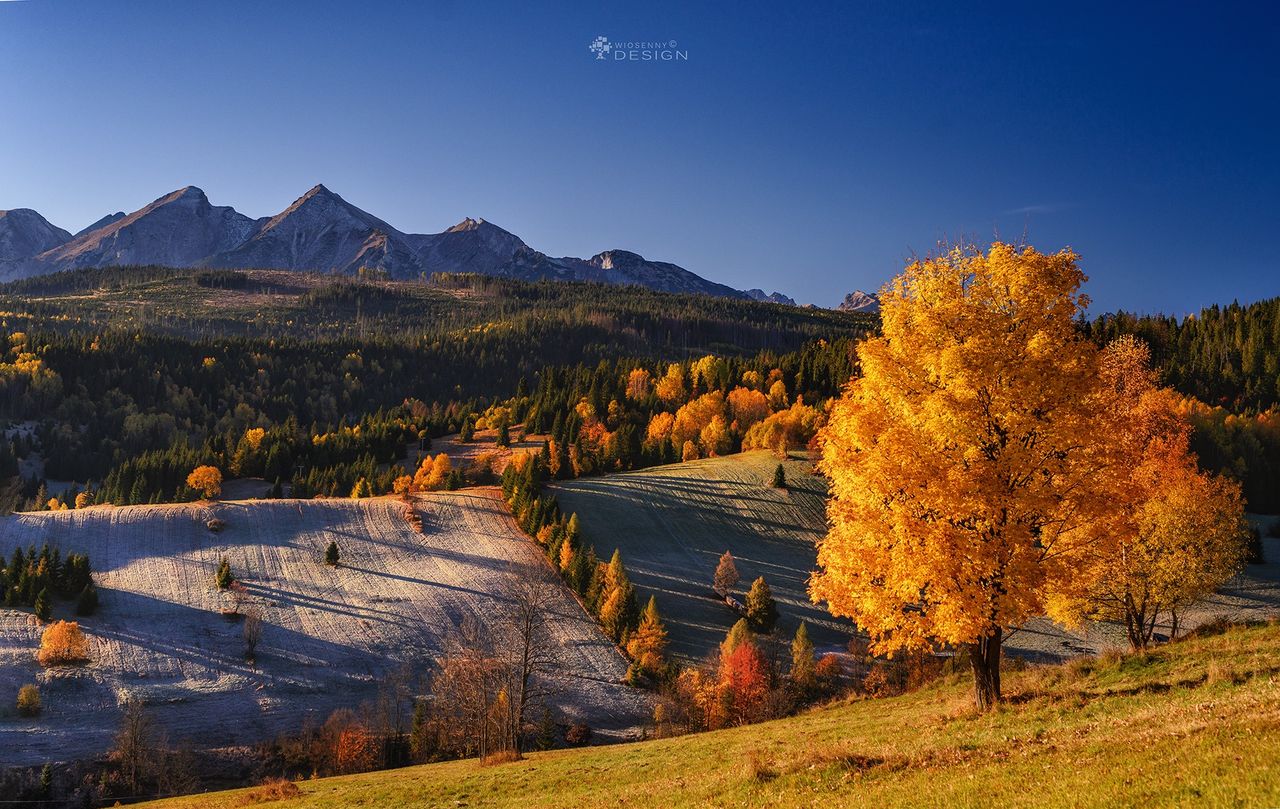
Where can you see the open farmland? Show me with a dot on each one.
(673, 522)
(330, 633)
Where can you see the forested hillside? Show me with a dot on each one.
(128, 377)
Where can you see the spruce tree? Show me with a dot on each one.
(43, 605)
(779, 478)
(223, 577)
(87, 603)
(331, 555)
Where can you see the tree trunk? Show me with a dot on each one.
(984, 659)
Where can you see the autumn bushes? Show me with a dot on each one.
(63, 643)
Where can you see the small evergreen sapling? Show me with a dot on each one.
(331, 555)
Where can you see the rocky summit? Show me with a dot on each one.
(319, 232)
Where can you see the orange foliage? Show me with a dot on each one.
(207, 480)
(63, 643)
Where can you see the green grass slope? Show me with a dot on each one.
(1195, 723)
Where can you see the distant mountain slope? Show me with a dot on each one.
(321, 232)
(102, 223)
(23, 234)
(178, 230)
(859, 301)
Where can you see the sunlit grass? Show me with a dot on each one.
(1195, 723)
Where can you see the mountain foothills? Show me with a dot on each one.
(319, 232)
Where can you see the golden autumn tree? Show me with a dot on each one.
(1175, 533)
(207, 480)
(960, 460)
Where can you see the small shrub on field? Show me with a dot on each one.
(828, 671)
(63, 644)
(757, 768)
(1210, 628)
(885, 680)
(579, 733)
(331, 555)
(1219, 672)
(216, 525)
(500, 757)
(272, 789)
(29, 701)
(1079, 668)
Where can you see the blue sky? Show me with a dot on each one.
(809, 148)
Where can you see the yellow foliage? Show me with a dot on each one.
(671, 387)
(432, 473)
(696, 415)
(660, 427)
(1180, 534)
(207, 480)
(747, 406)
(960, 461)
(63, 643)
(253, 437)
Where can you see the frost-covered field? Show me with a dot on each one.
(673, 522)
(329, 635)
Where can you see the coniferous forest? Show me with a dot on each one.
(334, 378)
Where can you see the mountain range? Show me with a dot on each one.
(319, 232)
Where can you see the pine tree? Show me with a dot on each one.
(504, 435)
(779, 478)
(762, 610)
(331, 555)
(87, 603)
(43, 605)
(223, 577)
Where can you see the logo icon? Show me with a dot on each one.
(600, 46)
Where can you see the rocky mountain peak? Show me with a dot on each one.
(859, 301)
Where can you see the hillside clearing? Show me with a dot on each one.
(1190, 724)
(673, 522)
(330, 633)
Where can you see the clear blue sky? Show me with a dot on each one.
(808, 148)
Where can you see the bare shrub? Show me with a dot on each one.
(252, 633)
(758, 768)
(215, 525)
(272, 789)
(578, 734)
(135, 745)
(500, 757)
